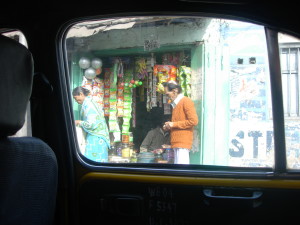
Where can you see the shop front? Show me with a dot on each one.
(124, 68)
(126, 87)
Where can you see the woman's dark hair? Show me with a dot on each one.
(76, 91)
(172, 86)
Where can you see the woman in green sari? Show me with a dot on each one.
(94, 124)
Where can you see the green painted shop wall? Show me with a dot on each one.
(197, 94)
(215, 134)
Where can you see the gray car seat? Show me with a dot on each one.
(28, 166)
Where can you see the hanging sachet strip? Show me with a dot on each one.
(127, 110)
(134, 107)
(120, 98)
(154, 92)
(149, 91)
(113, 121)
(185, 80)
(98, 91)
(107, 73)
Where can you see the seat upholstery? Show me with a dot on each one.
(28, 166)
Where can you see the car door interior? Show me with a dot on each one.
(144, 199)
(130, 193)
(182, 194)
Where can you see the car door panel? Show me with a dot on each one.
(144, 199)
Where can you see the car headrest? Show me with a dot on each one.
(16, 76)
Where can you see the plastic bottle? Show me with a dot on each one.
(125, 150)
(169, 155)
(119, 148)
(133, 158)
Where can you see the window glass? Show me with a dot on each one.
(220, 65)
(26, 129)
(289, 60)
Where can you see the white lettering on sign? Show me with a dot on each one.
(256, 136)
(251, 145)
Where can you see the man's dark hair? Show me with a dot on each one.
(78, 90)
(163, 119)
(172, 86)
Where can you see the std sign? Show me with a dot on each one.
(251, 144)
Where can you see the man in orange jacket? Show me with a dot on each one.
(184, 118)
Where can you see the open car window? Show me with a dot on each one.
(221, 65)
(289, 47)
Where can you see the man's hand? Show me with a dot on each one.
(143, 149)
(168, 125)
(77, 122)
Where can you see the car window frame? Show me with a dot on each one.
(200, 170)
